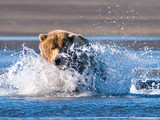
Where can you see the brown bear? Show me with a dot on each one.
(59, 41)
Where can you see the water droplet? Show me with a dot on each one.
(117, 5)
(122, 28)
(5, 49)
(114, 21)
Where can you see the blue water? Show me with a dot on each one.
(109, 38)
(107, 107)
(30, 90)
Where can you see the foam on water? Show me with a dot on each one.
(111, 73)
(147, 69)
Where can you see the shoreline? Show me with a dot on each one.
(15, 43)
(91, 38)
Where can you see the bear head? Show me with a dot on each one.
(56, 42)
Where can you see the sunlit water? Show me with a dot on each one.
(31, 87)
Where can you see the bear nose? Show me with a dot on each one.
(57, 61)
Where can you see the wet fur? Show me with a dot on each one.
(59, 41)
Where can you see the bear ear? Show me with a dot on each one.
(71, 37)
(84, 39)
(42, 37)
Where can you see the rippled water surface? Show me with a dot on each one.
(32, 88)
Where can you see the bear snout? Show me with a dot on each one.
(57, 61)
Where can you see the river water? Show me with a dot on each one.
(31, 88)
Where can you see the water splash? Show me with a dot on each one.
(111, 71)
(147, 70)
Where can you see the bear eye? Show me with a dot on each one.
(45, 47)
(52, 48)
